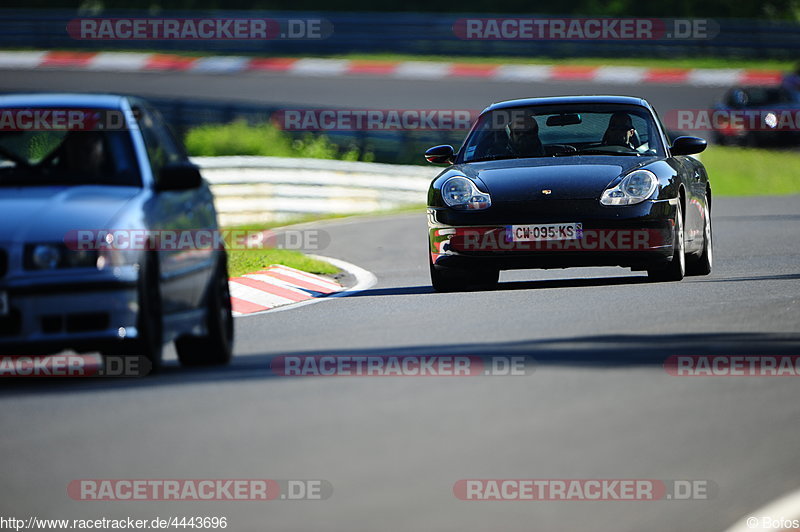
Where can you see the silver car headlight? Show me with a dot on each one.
(634, 188)
(461, 193)
(49, 256)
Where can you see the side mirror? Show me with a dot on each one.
(179, 176)
(440, 155)
(688, 145)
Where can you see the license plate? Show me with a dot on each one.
(3, 304)
(544, 232)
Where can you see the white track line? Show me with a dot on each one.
(364, 280)
(785, 508)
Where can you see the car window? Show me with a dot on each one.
(62, 157)
(162, 147)
(552, 130)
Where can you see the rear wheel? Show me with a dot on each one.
(675, 269)
(216, 347)
(702, 265)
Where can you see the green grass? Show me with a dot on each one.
(241, 138)
(242, 261)
(737, 171)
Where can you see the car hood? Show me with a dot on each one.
(580, 177)
(46, 214)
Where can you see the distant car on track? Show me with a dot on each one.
(768, 106)
(127, 180)
(568, 181)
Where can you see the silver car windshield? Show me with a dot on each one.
(37, 158)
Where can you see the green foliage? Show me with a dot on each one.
(240, 138)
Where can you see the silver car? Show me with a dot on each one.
(93, 188)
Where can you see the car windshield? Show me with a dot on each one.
(60, 157)
(758, 97)
(563, 130)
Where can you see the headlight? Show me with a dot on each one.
(461, 193)
(52, 256)
(45, 256)
(634, 188)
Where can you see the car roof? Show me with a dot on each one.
(90, 101)
(556, 100)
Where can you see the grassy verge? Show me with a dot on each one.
(752, 172)
(241, 138)
(242, 261)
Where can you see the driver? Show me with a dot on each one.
(82, 153)
(620, 131)
(523, 136)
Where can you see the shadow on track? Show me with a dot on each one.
(513, 285)
(589, 351)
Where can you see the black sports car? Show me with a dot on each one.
(568, 181)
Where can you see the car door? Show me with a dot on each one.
(176, 216)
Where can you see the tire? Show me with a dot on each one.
(215, 348)
(149, 342)
(486, 278)
(703, 264)
(675, 269)
(447, 280)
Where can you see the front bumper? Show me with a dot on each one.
(637, 236)
(84, 316)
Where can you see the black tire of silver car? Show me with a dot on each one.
(150, 321)
(216, 348)
(675, 269)
(703, 264)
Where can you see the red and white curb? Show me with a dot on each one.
(428, 70)
(280, 287)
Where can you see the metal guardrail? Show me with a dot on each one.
(411, 33)
(269, 189)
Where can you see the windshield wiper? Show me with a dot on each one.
(596, 152)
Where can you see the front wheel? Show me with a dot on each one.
(676, 268)
(702, 265)
(447, 280)
(216, 347)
